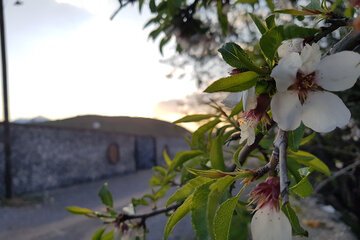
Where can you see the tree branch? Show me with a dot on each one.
(281, 144)
(349, 42)
(123, 217)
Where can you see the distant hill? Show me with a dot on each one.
(129, 125)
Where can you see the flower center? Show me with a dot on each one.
(304, 83)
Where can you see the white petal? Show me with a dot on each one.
(339, 71)
(232, 99)
(269, 224)
(286, 110)
(293, 45)
(249, 99)
(324, 111)
(285, 72)
(310, 57)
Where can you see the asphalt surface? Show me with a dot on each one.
(48, 219)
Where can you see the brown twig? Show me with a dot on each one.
(123, 217)
(337, 174)
(281, 144)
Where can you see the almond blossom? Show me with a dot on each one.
(302, 81)
(269, 222)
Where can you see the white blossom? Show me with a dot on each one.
(289, 46)
(269, 223)
(248, 121)
(132, 233)
(248, 97)
(301, 81)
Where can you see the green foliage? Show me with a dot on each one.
(310, 160)
(294, 221)
(187, 189)
(106, 196)
(272, 39)
(108, 236)
(97, 235)
(198, 137)
(295, 137)
(235, 83)
(194, 118)
(303, 188)
(259, 24)
(222, 17)
(199, 211)
(236, 57)
(216, 154)
(183, 156)
(79, 210)
(179, 214)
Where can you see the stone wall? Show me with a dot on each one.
(48, 157)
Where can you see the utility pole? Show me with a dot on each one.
(6, 139)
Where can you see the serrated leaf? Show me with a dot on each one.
(187, 189)
(97, 235)
(294, 221)
(194, 118)
(106, 196)
(199, 211)
(79, 210)
(162, 191)
(216, 154)
(223, 218)
(179, 214)
(295, 137)
(217, 191)
(236, 83)
(183, 156)
(259, 24)
(198, 137)
(272, 39)
(214, 173)
(310, 160)
(236, 57)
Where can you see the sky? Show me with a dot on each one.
(66, 58)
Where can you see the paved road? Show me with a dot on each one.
(50, 220)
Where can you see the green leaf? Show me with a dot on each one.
(194, 118)
(307, 139)
(272, 39)
(310, 160)
(217, 191)
(259, 24)
(199, 211)
(294, 12)
(235, 83)
(294, 221)
(238, 108)
(270, 4)
(166, 158)
(183, 156)
(187, 189)
(179, 214)
(152, 6)
(270, 21)
(236, 57)
(216, 154)
(295, 137)
(303, 188)
(97, 235)
(223, 218)
(223, 20)
(79, 210)
(314, 5)
(163, 42)
(105, 195)
(252, 2)
(198, 137)
(139, 202)
(141, 3)
(214, 173)
(108, 236)
(162, 191)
